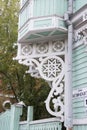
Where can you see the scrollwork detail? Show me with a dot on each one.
(44, 61)
(56, 99)
(51, 69)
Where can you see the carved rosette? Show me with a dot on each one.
(42, 48)
(58, 46)
(46, 60)
(26, 50)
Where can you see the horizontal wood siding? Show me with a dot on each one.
(47, 7)
(78, 4)
(79, 81)
(80, 127)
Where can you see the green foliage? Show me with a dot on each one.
(34, 94)
(8, 35)
(30, 90)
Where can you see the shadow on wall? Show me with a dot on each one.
(63, 128)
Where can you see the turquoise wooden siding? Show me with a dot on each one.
(47, 7)
(79, 81)
(80, 127)
(41, 8)
(78, 4)
(79, 67)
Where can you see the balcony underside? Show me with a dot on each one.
(42, 28)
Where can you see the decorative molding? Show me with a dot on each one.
(79, 16)
(40, 49)
(85, 16)
(81, 37)
(44, 121)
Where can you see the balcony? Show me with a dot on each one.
(41, 19)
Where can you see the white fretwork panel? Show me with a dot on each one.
(47, 60)
(81, 37)
(40, 49)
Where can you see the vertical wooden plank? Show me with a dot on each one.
(42, 7)
(30, 114)
(45, 7)
(16, 111)
(30, 118)
(5, 120)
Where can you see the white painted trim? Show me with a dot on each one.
(40, 121)
(77, 44)
(53, 18)
(80, 42)
(82, 121)
(23, 122)
(78, 16)
(44, 121)
(66, 81)
(44, 38)
(23, 4)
